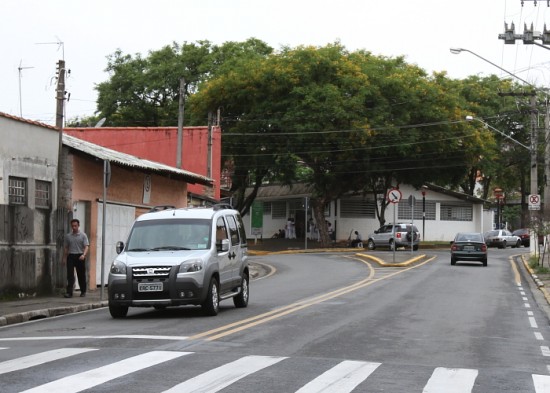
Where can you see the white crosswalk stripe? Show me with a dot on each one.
(40, 358)
(342, 378)
(89, 379)
(451, 380)
(542, 383)
(223, 376)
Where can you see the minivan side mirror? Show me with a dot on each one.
(119, 247)
(223, 246)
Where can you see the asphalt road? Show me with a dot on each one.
(319, 322)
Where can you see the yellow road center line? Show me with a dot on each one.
(269, 316)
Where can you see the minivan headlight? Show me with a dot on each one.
(192, 265)
(118, 267)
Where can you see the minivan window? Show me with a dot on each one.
(242, 232)
(178, 234)
(233, 230)
(221, 231)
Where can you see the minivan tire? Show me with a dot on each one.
(118, 311)
(241, 300)
(211, 305)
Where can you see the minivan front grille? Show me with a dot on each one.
(151, 271)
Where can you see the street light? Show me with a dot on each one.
(533, 151)
(457, 51)
(471, 118)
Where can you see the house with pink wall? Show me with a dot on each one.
(201, 150)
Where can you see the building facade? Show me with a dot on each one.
(41, 190)
(437, 212)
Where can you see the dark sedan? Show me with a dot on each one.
(469, 246)
(525, 235)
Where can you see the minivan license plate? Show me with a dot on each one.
(150, 287)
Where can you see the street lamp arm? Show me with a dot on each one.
(456, 51)
(471, 118)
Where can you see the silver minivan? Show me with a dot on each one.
(174, 257)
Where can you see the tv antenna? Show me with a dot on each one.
(59, 43)
(21, 68)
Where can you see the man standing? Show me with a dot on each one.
(76, 248)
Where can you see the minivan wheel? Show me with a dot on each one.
(118, 311)
(241, 300)
(211, 305)
(371, 245)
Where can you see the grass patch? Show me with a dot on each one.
(537, 267)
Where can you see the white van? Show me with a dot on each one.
(174, 257)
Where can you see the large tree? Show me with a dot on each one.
(145, 91)
(357, 122)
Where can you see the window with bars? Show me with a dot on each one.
(278, 209)
(405, 211)
(43, 194)
(456, 212)
(353, 208)
(267, 208)
(17, 191)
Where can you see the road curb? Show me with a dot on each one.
(538, 283)
(26, 316)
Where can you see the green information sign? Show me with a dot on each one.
(257, 217)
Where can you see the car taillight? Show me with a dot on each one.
(398, 234)
(454, 247)
(483, 247)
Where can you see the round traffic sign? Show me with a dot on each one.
(394, 195)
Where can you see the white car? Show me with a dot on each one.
(501, 238)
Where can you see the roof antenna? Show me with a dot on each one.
(21, 68)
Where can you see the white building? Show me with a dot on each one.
(445, 212)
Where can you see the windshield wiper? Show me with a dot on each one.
(139, 249)
(169, 248)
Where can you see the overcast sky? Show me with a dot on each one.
(421, 30)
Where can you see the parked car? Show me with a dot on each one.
(525, 235)
(174, 257)
(404, 235)
(501, 238)
(469, 246)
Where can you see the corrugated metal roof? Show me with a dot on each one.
(128, 160)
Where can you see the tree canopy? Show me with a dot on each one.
(343, 122)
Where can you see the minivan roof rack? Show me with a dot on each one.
(220, 206)
(161, 207)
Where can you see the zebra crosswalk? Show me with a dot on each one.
(341, 377)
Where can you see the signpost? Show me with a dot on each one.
(257, 219)
(412, 202)
(394, 196)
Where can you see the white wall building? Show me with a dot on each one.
(446, 212)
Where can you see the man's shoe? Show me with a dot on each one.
(67, 295)
(83, 294)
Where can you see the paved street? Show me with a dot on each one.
(318, 322)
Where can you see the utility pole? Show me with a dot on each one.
(181, 112)
(530, 37)
(533, 150)
(59, 117)
(209, 153)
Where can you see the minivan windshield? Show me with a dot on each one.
(172, 234)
